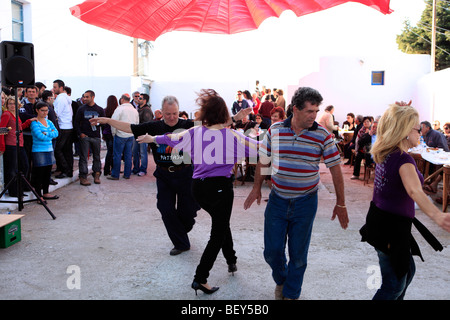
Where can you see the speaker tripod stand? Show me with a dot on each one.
(19, 177)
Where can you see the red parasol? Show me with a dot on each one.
(148, 19)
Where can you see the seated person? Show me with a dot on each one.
(433, 138)
(437, 126)
(244, 124)
(350, 147)
(363, 144)
(350, 122)
(447, 133)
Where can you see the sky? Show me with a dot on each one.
(283, 49)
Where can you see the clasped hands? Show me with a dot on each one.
(146, 138)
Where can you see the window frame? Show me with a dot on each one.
(376, 74)
(19, 23)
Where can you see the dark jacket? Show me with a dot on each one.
(355, 133)
(236, 107)
(81, 123)
(436, 139)
(145, 114)
(391, 234)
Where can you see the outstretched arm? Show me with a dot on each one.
(119, 125)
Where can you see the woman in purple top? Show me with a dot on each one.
(213, 149)
(398, 184)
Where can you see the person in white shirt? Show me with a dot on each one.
(63, 147)
(123, 141)
(326, 120)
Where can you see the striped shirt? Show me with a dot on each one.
(294, 160)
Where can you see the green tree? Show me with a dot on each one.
(417, 39)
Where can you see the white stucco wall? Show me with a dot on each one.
(345, 82)
(432, 96)
(185, 91)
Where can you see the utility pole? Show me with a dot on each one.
(433, 55)
(433, 38)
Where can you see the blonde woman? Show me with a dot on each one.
(398, 184)
(8, 146)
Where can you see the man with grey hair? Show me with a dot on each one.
(173, 173)
(123, 141)
(135, 99)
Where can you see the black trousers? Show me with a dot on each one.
(63, 152)
(10, 167)
(359, 157)
(40, 179)
(176, 204)
(215, 195)
(109, 154)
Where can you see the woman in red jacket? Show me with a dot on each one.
(8, 145)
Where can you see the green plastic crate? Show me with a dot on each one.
(10, 230)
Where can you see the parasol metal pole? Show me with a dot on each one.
(135, 58)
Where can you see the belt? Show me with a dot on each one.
(174, 168)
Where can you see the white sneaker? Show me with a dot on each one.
(354, 178)
(141, 174)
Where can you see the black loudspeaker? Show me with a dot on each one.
(17, 64)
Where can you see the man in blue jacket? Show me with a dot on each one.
(433, 138)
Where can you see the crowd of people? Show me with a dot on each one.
(364, 130)
(190, 176)
(54, 129)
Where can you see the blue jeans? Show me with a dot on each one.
(291, 221)
(122, 146)
(140, 157)
(392, 288)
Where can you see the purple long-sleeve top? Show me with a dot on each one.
(389, 193)
(213, 152)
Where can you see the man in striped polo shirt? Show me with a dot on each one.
(291, 152)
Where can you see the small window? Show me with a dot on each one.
(377, 78)
(17, 21)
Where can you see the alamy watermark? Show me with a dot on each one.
(74, 280)
(374, 279)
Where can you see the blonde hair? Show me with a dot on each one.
(11, 98)
(4, 96)
(393, 128)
